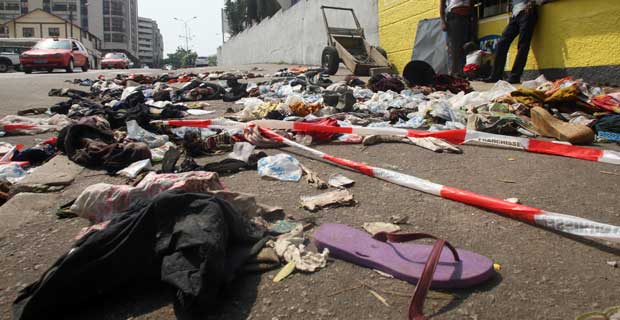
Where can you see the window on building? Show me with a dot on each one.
(489, 8)
(59, 6)
(53, 32)
(64, 6)
(119, 37)
(118, 24)
(28, 32)
(117, 8)
(24, 6)
(10, 6)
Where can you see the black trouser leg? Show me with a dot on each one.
(509, 34)
(459, 33)
(527, 23)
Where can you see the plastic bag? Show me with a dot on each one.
(137, 133)
(477, 98)
(204, 132)
(249, 105)
(11, 173)
(157, 154)
(533, 84)
(281, 167)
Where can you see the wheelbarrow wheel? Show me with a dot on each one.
(330, 60)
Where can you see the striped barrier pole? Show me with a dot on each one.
(556, 221)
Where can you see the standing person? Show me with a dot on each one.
(522, 23)
(460, 23)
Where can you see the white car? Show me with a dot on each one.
(9, 57)
(202, 62)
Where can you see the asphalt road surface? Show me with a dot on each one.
(544, 275)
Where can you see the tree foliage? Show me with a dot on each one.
(236, 13)
(212, 60)
(181, 58)
(244, 13)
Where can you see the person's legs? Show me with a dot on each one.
(527, 23)
(509, 34)
(458, 33)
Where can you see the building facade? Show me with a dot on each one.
(572, 38)
(150, 43)
(38, 24)
(113, 21)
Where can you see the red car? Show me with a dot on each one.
(115, 60)
(49, 54)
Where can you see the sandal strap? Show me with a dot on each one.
(416, 307)
(406, 237)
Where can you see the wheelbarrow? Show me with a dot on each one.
(350, 47)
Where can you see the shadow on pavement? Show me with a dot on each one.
(234, 302)
(461, 295)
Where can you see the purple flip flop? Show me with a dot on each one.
(405, 261)
(423, 265)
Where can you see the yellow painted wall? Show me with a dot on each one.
(570, 33)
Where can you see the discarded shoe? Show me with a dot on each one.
(514, 79)
(436, 266)
(491, 79)
(549, 126)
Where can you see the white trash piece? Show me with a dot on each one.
(340, 181)
(199, 112)
(281, 167)
(157, 154)
(11, 172)
(137, 133)
(135, 168)
(242, 151)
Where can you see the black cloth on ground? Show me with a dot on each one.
(173, 111)
(73, 93)
(237, 90)
(609, 123)
(135, 98)
(35, 155)
(224, 167)
(186, 240)
(92, 147)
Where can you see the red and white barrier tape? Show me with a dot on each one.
(460, 137)
(560, 222)
(202, 123)
(453, 136)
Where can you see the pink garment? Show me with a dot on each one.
(101, 202)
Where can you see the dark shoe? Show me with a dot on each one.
(171, 157)
(491, 79)
(514, 80)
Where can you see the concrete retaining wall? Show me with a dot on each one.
(297, 35)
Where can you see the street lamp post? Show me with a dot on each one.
(187, 36)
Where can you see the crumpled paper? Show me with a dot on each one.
(290, 247)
